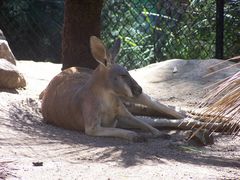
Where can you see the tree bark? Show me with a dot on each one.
(81, 20)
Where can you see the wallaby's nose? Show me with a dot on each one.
(136, 89)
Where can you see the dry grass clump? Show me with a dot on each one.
(222, 106)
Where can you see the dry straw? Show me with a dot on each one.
(222, 106)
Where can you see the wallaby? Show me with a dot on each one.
(92, 102)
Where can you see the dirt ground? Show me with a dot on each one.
(31, 149)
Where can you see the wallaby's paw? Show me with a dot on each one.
(140, 138)
(164, 136)
(134, 137)
(158, 134)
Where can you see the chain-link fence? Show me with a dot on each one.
(151, 31)
(157, 30)
(33, 28)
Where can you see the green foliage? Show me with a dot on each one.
(33, 28)
(191, 34)
(232, 28)
(127, 23)
(151, 31)
(157, 30)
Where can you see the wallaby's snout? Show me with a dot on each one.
(135, 88)
(122, 83)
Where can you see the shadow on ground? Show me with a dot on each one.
(46, 140)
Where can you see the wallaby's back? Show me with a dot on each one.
(60, 93)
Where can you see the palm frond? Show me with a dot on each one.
(222, 106)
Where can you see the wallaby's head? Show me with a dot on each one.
(117, 77)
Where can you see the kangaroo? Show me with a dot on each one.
(93, 101)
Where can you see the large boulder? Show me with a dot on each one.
(10, 77)
(2, 35)
(5, 51)
(177, 79)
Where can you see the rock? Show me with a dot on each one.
(6, 53)
(37, 163)
(10, 77)
(195, 73)
(2, 35)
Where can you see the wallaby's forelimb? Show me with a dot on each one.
(115, 132)
(128, 119)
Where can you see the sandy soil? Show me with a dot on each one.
(31, 149)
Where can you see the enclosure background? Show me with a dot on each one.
(151, 31)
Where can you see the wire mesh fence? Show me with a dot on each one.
(151, 31)
(33, 28)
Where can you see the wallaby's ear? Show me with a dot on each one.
(98, 50)
(114, 50)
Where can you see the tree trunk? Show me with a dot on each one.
(81, 20)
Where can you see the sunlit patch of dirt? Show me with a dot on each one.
(36, 150)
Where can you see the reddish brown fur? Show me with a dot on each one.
(92, 101)
(80, 100)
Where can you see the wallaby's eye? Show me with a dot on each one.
(124, 76)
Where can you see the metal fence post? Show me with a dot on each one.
(219, 29)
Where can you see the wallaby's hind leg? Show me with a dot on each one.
(151, 104)
(157, 123)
